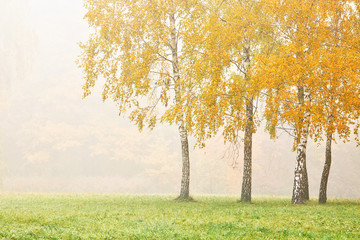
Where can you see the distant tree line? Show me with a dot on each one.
(205, 65)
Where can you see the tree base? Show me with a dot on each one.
(184, 199)
(298, 202)
(244, 201)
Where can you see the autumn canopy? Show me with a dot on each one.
(225, 66)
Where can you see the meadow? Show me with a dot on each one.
(90, 216)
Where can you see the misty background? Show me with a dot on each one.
(52, 140)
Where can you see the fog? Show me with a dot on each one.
(52, 140)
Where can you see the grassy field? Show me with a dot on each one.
(28, 216)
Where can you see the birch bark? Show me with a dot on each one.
(298, 196)
(247, 172)
(326, 170)
(185, 179)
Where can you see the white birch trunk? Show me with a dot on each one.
(247, 172)
(298, 196)
(185, 179)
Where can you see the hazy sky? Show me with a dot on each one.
(52, 140)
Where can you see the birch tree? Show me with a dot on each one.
(230, 33)
(290, 77)
(309, 78)
(136, 48)
(337, 98)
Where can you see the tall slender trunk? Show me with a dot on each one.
(185, 179)
(246, 184)
(247, 172)
(300, 176)
(328, 160)
(326, 170)
(298, 196)
(301, 101)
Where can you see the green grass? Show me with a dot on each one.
(48, 216)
